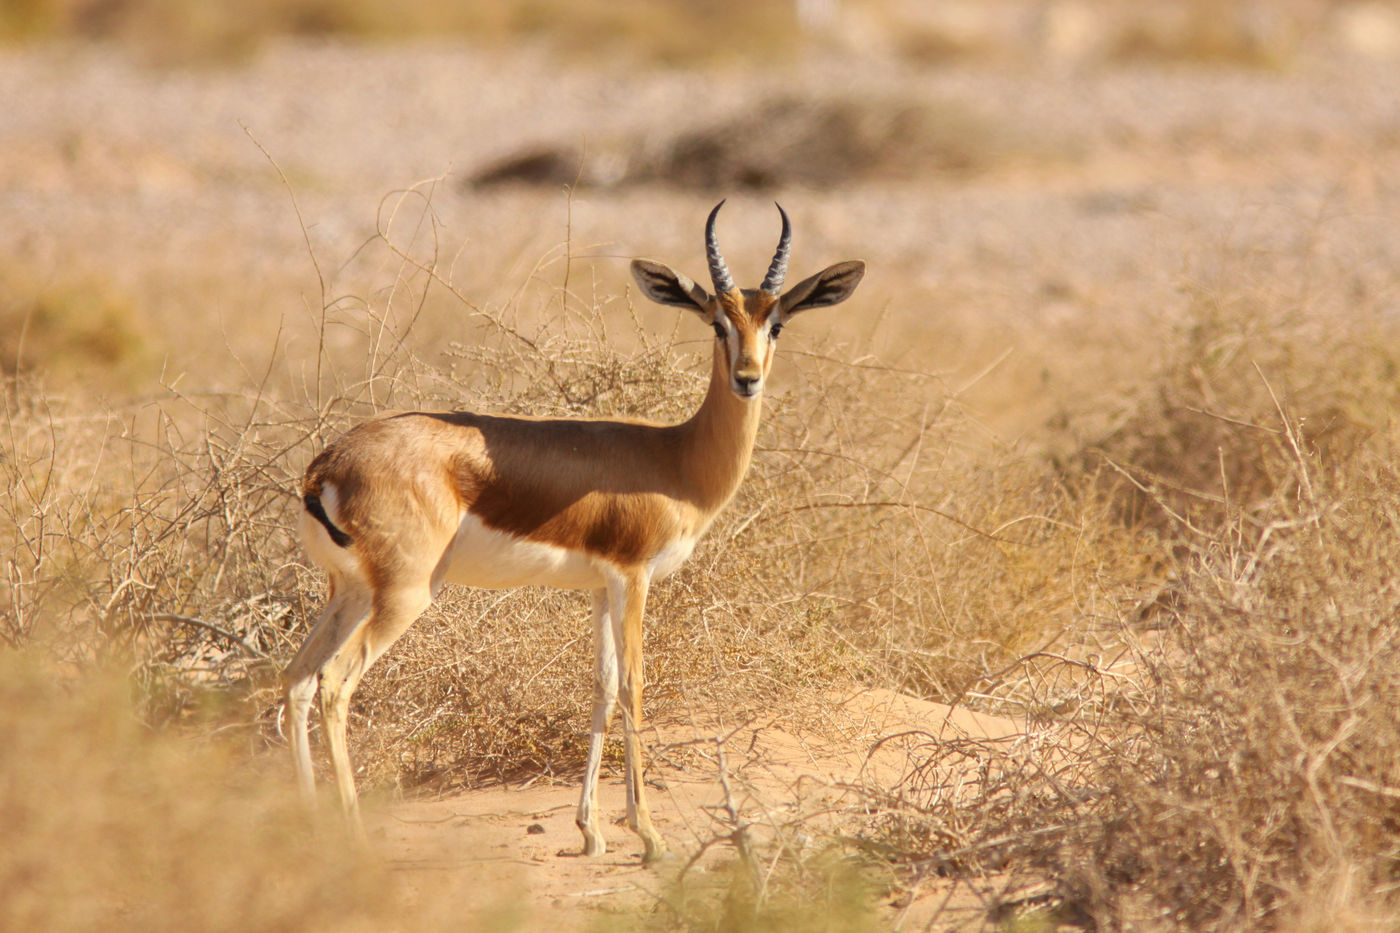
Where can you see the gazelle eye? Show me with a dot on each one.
(719, 330)
(777, 329)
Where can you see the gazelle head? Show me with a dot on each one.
(746, 321)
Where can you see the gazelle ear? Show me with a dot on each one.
(666, 286)
(831, 286)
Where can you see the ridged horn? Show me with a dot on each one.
(719, 271)
(773, 281)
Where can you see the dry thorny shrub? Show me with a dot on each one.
(1226, 759)
(1255, 782)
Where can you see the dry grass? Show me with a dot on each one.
(1257, 770)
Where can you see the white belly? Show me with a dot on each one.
(481, 556)
(671, 557)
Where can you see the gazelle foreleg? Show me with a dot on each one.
(605, 687)
(627, 596)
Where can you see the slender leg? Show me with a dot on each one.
(604, 699)
(627, 594)
(347, 607)
(394, 610)
(338, 681)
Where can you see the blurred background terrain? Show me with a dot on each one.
(1103, 447)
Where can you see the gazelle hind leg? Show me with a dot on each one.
(393, 611)
(604, 700)
(346, 609)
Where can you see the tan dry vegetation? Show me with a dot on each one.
(1104, 446)
(1225, 758)
(72, 325)
(1248, 33)
(171, 30)
(111, 825)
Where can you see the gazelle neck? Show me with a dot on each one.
(719, 438)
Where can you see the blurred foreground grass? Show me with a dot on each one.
(111, 825)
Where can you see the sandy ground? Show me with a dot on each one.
(513, 851)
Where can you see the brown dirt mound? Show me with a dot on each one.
(780, 141)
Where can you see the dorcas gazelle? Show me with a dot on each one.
(406, 503)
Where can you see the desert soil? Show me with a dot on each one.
(513, 851)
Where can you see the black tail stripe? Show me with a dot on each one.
(318, 512)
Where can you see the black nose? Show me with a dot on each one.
(746, 385)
